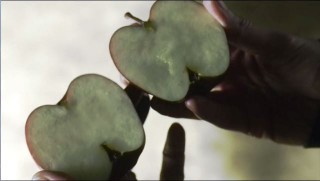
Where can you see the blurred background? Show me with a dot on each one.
(45, 45)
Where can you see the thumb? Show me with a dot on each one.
(223, 113)
(242, 34)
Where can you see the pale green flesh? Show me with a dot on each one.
(69, 138)
(185, 36)
(300, 18)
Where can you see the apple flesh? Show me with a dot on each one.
(93, 133)
(179, 37)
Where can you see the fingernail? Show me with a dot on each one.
(123, 80)
(190, 103)
(208, 6)
(218, 10)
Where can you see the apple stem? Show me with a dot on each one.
(147, 24)
(129, 15)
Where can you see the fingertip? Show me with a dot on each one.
(175, 143)
(189, 103)
(177, 132)
(218, 10)
(172, 109)
(176, 126)
(204, 108)
(125, 82)
(194, 102)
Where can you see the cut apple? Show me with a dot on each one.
(93, 133)
(158, 55)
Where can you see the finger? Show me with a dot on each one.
(134, 93)
(172, 109)
(140, 100)
(173, 154)
(244, 35)
(219, 109)
(124, 81)
(204, 85)
(50, 175)
(217, 10)
(143, 108)
(129, 176)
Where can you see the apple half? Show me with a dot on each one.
(93, 133)
(180, 41)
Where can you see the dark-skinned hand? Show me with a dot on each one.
(271, 89)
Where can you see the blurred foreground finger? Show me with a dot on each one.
(173, 154)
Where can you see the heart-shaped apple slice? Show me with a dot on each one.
(93, 133)
(158, 55)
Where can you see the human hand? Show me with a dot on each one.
(172, 162)
(271, 89)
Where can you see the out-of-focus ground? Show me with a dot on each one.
(45, 45)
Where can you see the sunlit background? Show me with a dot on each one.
(45, 45)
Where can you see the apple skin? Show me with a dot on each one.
(120, 164)
(161, 70)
